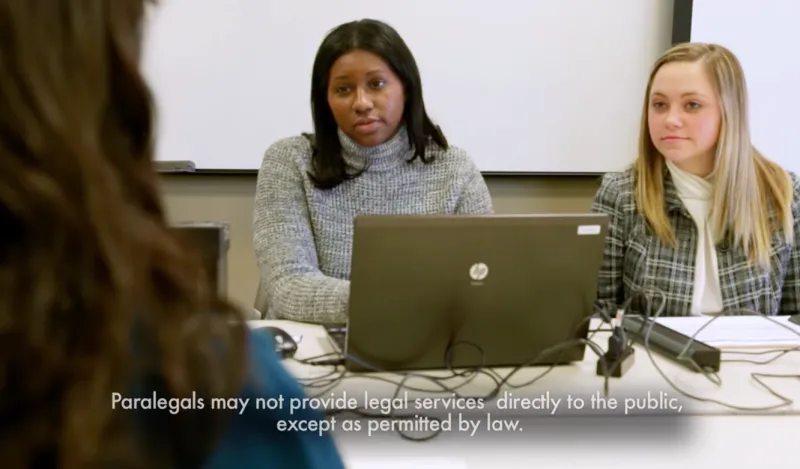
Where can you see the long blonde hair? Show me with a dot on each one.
(746, 184)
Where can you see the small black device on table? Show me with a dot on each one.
(697, 356)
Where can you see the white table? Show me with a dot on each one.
(699, 435)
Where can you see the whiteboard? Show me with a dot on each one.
(765, 37)
(524, 87)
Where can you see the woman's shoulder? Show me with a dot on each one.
(294, 150)
(620, 181)
(266, 371)
(454, 161)
(617, 190)
(452, 155)
(794, 180)
(260, 431)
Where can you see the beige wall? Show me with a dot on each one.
(230, 199)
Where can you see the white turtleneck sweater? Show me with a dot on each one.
(695, 193)
(303, 235)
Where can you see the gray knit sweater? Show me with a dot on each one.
(303, 235)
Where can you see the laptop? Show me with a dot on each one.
(438, 292)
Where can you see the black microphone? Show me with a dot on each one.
(619, 356)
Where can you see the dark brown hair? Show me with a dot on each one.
(97, 294)
(329, 168)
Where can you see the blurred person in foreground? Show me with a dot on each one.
(97, 295)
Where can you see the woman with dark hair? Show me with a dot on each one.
(374, 151)
(98, 298)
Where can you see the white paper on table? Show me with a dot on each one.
(738, 331)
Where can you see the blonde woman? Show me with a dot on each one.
(701, 216)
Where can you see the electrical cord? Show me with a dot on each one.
(330, 381)
(326, 383)
(712, 376)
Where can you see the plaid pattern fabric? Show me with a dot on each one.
(636, 260)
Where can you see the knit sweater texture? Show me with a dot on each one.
(303, 235)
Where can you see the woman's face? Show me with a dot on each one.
(684, 116)
(366, 97)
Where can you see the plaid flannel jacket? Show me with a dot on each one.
(635, 260)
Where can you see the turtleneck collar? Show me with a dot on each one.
(383, 157)
(688, 185)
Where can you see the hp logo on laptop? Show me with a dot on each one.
(478, 271)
